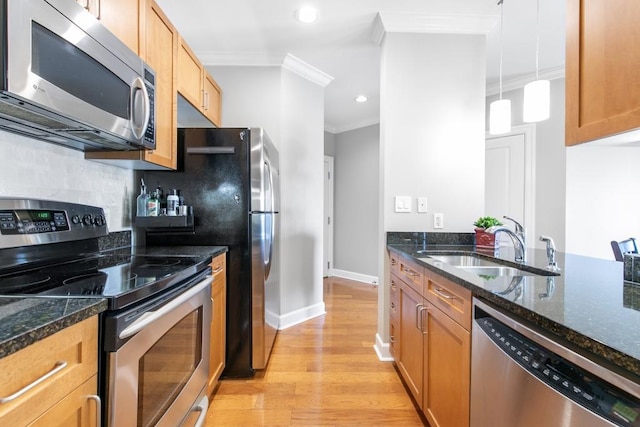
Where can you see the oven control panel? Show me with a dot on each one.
(37, 221)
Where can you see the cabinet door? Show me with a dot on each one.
(602, 63)
(77, 409)
(161, 50)
(212, 102)
(190, 73)
(447, 370)
(218, 321)
(411, 341)
(122, 18)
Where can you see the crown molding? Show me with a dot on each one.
(257, 59)
(298, 66)
(386, 22)
(519, 82)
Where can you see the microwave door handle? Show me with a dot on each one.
(137, 87)
(151, 316)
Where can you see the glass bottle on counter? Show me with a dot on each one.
(172, 202)
(153, 205)
(142, 200)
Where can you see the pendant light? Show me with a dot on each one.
(537, 94)
(500, 110)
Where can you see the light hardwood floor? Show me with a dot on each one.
(323, 372)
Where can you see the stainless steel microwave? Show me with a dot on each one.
(66, 79)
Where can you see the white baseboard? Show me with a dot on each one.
(364, 278)
(298, 316)
(382, 350)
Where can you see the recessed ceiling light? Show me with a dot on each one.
(361, 98)
(307, 14)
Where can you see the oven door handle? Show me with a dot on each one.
(151, 316)
(201, 407)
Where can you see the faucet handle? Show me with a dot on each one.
(519, 227)
(549, 241)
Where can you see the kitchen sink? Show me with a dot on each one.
(485, 267)
(465, 261)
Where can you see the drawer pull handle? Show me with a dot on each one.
(393, 261)
(422, 320)
(217, 270)
(418, 322)
(440, 292)
(60, 365)
(392, 339)
(393, 306)
(96, 399)
(410, 272)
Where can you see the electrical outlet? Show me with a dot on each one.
(438, 220)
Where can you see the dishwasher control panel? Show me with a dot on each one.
(575, 383)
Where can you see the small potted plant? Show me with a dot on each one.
(485, 240)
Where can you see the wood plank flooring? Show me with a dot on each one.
(323, 372)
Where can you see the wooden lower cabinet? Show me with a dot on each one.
(446, 370)
(411, 341)
(67, 397)
(218, 321)
(432, 345)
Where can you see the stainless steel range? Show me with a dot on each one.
(155, 333)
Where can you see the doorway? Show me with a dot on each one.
(510, 178)
(327, 269)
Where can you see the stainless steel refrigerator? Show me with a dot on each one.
(231, 178)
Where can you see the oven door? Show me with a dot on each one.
(159, 376)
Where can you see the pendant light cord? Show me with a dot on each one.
(537, 36)
(501, 4)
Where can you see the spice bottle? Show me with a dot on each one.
(153, 205)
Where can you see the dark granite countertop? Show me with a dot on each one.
(24, 321)
(588, 307)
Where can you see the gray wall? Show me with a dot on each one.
(356, 200)
(550, 174)
(329, 144)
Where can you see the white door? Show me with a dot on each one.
(328, 216)
(509, 191)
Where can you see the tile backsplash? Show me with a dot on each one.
(41, 170)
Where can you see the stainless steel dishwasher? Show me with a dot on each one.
(521, 378)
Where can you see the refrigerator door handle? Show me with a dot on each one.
(211, 150)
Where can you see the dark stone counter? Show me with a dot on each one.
(23, 321)
(588, 307)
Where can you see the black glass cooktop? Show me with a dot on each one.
(122, 279)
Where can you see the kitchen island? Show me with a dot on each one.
(587, 307)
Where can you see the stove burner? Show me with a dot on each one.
(85, 284)
(24, 283)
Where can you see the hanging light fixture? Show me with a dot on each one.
(500, 110)
(537, 94)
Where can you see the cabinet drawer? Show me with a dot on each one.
(453, 299)
(78, 409)
(394, 297)
(411, 273)
(77, 346)
(394, 262)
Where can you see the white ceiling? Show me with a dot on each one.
(263, 32)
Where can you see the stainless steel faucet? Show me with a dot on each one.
(518, 238)
(551, 253)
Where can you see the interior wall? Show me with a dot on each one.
(329, 144)
(291, 109)
(431, 136)
(602, 201)
(550, 172)
(36, 169)
(356, 201)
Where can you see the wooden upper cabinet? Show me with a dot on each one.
(121, 17)
(602, 69)
(161, 50)
(196, 85)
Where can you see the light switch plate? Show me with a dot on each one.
(403, 203)
(422, 205)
